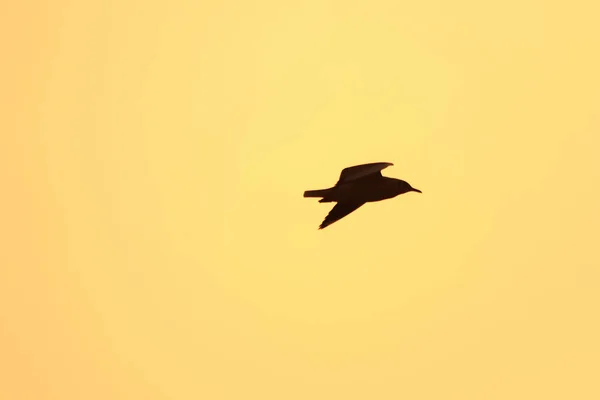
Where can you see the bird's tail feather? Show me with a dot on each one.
(316, 193)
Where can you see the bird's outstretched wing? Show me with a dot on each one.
(338, 212)
(362, 171)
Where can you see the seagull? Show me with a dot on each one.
(356, 186)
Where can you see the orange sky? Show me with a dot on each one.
(154, 239)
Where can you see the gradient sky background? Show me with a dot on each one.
(154, 239)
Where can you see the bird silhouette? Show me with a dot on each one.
(356, 186)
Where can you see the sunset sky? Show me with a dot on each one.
(155, 244)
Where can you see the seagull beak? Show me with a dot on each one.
(416, 190)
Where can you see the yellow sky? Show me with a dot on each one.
(154, 239)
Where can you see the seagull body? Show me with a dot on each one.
(358, 185)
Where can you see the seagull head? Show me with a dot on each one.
(404, 187)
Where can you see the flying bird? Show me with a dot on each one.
(356, 186)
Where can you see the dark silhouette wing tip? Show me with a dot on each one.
(326, 222)
(339, 211)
